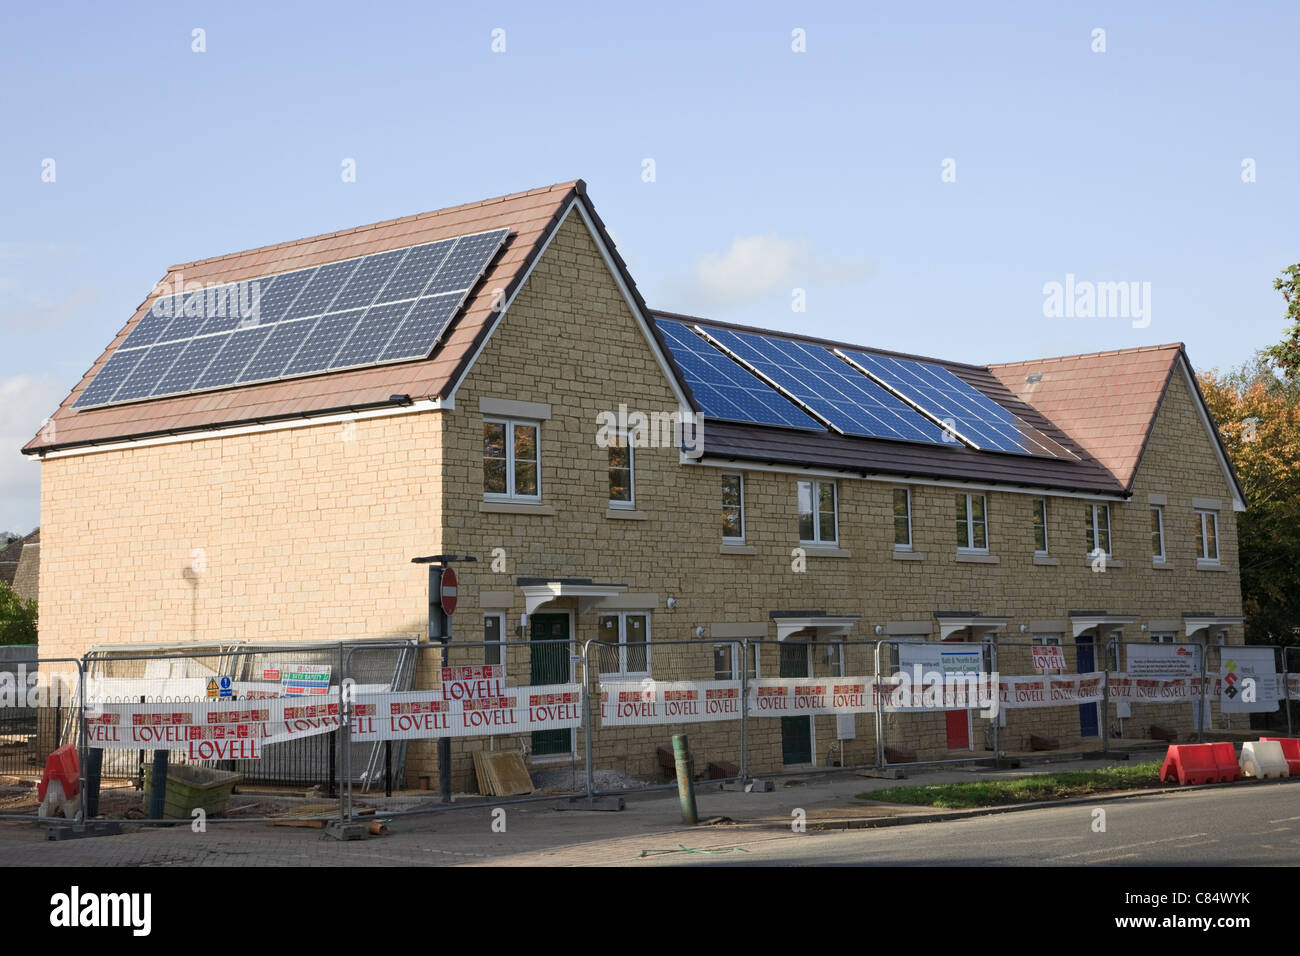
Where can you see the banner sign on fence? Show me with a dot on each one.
(631, 703)
(1162, 661)
(1249, 681)
(210, 730)
(1049, 657)
(796, 697)
(420, 714)
(300, 680)
(1051, 691)
(468, 683)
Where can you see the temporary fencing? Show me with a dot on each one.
(373, 724)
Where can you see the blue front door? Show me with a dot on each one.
(1086, 662)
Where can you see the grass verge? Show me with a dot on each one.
(1044, 786)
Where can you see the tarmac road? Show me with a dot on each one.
(1234, 826)
(1250, 824)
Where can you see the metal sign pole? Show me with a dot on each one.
(440, 631)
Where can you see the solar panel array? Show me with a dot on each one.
(973, 414)
(723, 389)
(750, 377)
(844, 398)
(388, 307)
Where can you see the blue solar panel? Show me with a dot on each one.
(239, 346)
(345, 314)
(466, 262)
(153, 323)
(415, 271)
(188, 319)
(422, 327)
(320, 292)
(848, 400)
(722, 388)
(189, 365)
(324, 339)
(119, 365)
(240, 305)
(157, 361)
(972, 414)
(268, 300)
(365, 284)
(368, 339)
(280, 346)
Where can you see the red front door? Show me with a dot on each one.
(957, 721)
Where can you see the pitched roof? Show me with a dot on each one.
(11, 556)
(530, 216)
(26, 580)
(1106, 400)
(954, 461)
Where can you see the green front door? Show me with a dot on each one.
(549, 664)
(796, 732)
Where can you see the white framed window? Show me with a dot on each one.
(972, 524)
(818, 518)
(494, 632)
(512, 464)
(1049, 640)
(733, 508)
(726, 661)
(624, 643)
(1157, 534)
(1040, 526)
(902, 519)
(1098, 528)
(1162, 637)
(1208, 552)
(622, 473)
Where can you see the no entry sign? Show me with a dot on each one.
(448, 591)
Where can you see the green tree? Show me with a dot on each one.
(1286, 354)
(1258, 414)
(17, 617)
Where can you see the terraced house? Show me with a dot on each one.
(436, 384)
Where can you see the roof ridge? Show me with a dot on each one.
(536, 191)
(1178, 346)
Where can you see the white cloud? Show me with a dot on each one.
(754, 267)
(25, 402)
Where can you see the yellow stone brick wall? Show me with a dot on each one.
(298, 534)
(307, 534)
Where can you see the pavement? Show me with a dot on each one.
(737, 827)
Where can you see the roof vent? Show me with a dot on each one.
(1034, 379)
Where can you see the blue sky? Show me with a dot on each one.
(774, 169)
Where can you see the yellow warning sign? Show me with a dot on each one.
(213, 690)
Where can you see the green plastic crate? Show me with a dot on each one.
(192, 788)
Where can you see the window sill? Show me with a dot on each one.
(965, 558)
(1168, 565)
(514, 508)
(626, 514)
(1203, 565)
(909, 555)
(1046, 560)
(1110, 562)
(824, 551)
(739, 549)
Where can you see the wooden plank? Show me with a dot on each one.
(509, 775)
